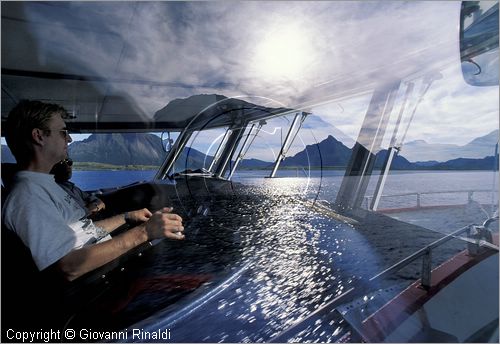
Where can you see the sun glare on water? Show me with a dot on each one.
(284, 52)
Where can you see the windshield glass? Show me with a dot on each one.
(325, 158)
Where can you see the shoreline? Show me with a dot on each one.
(93, 166)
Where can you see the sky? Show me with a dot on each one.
(322, 57)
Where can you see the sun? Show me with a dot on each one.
(283, 53)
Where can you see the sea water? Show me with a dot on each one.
(402, 188)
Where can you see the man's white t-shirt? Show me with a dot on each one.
(47, 219)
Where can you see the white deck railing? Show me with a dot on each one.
(418, 196)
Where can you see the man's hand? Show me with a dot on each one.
(163, 223)
(95, 206)
(141, 215)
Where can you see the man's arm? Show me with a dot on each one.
(113, 222)
(80, 261)
(161, 224)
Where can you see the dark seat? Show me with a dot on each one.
(31, 299)
(9, 169)
(19, 281)
(28, 295)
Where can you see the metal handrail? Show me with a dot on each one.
(425, 252)
(419, 194)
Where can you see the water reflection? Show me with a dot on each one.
(290, 259)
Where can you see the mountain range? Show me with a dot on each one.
(421, 150)
(119, 149)
(338, 157)
(146, 149)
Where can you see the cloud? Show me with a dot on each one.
(453, 112)
(323, 57)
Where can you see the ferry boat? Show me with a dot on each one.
(285, 259)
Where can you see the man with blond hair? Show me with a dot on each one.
(50, 222)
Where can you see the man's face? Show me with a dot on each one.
(57, 140)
